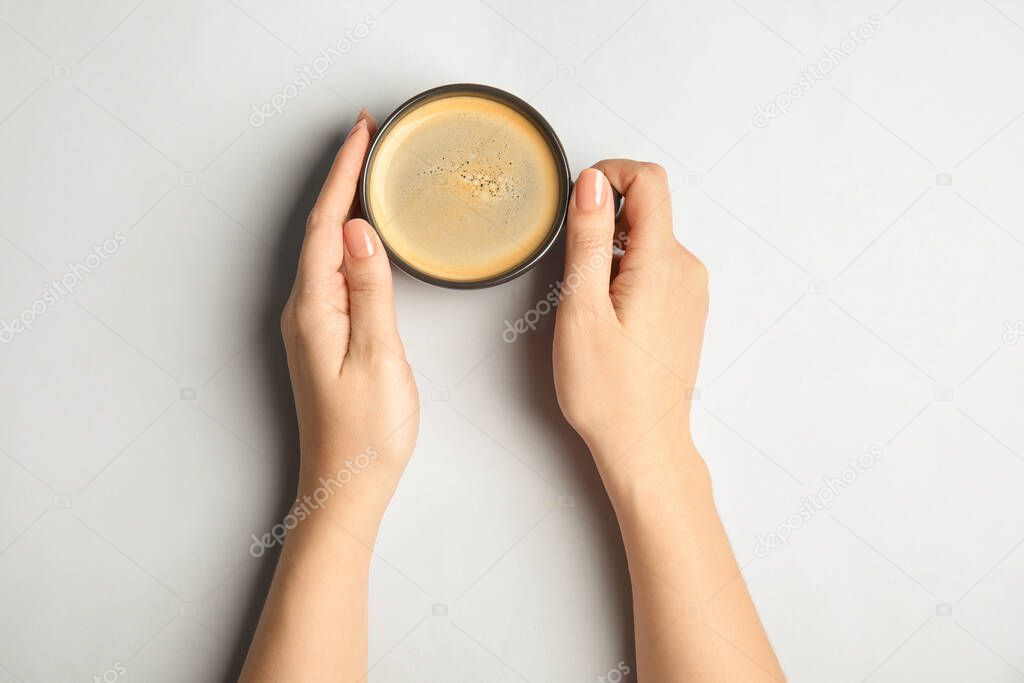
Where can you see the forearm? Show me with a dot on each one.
(694, 619)
(314, 625)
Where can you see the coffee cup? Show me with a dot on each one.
(467, 185)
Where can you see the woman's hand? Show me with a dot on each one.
(627, 346)
(358, 412)
(355, 396)
(628, 335)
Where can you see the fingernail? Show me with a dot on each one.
(589, 190)
(362, 114)
(358, 239)
(361, 123)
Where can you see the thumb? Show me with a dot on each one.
(370, 294)
(588, 251)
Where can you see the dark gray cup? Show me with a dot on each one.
(557, 152)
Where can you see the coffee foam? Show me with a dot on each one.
(464, 188)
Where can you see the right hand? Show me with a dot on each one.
(627, 345)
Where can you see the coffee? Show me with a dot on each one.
(464, 188)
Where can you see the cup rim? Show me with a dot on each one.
(523, 107)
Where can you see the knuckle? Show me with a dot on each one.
(654, 172)
(680, 269)
(305, 321)
(382, 361)
(701, 271)
(288, 322)
(574, 314)
(578, 318)
(372, 286)
(318, 217)
(693, 269)
(388, 363)
(589, 241)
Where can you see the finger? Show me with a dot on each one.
(339, 189)
(322, 251)
(647, 210)
(371, 121)
(370, 293)
(372, 126)
(588, 250)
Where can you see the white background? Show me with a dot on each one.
(858, 300)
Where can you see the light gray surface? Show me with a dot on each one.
(857, 300)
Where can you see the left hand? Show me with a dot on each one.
(355, 395)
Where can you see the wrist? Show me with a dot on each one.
(342, 518)
(369, 474)
(663, 470)
(351, 495)
(668, 499)
(624, 459)
(340, 546)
